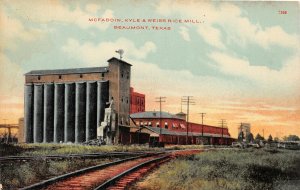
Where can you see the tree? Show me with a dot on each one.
(270, 139)
(291, 138)
(276, 139)
(249, 137)
(259, 137)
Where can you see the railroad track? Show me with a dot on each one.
(114, 175)
(67, 156)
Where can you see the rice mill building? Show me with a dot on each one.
(67, 105)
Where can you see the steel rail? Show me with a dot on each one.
(50, 181)
(117, 177)
(88, 155)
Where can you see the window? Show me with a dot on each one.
(166, 125)
(122, 99)
(157, 124)
(80, 75)
(182, 126)
(102, 74)
(122, 74)
(59, 76)
(150, 124)
(39, 77)
(127, 100)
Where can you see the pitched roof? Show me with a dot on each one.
(69, 71)
(153, 115)
(178, 133)
(120, 60)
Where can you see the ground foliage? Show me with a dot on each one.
(228, 169)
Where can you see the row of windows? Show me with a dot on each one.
(60, 76)
(142, 109)
(157, 124)
(138, 100)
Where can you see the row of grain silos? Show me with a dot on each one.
(64, 112)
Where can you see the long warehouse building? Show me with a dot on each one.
(68, 105)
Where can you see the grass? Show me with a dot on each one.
(19, 174)
(228, 169)
(54, 149)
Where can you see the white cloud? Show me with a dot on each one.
(184, 32)
(286, 77)
(238, 28)
(44, 12)
(12, 29)
(92, 8)
(211, 35)
(95, 54)
(11, 77)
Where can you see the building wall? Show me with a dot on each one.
(246, 128)
(61, 107)
(137, 102)
(66, 78)
(119, 82)
(63, 113)
(180, 125)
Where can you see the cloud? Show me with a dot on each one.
(10, 76)
(45, 12)
(211, 35)
(12, 30)
(94, 54)
(228, 17)
(184, 32)
(241, 67)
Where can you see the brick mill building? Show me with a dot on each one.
(67, 105)
(174, 129)
(137, 101)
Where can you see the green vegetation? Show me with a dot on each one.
(55, 149)
(58, 149)
(291, 138)
(14, 175)
(227, 169)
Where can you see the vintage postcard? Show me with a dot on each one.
(149, 94)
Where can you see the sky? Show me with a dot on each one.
(239, 60)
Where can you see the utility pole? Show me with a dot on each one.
(223, 124)
(8, 134)
(202, 116)
(160, 100)
(189, 101)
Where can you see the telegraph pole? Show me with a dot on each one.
(160, 100)
(189, 101)
(202, 116)
(8, 134)
(223, 124)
